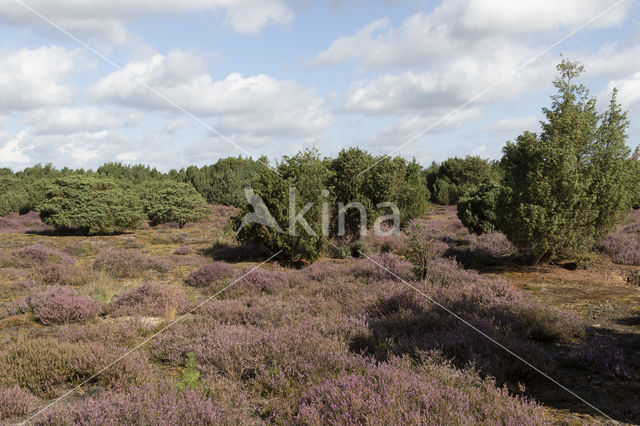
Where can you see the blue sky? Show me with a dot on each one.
(276, 76)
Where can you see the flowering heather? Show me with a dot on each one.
(15, 223)
(151, 298)
(35, 255)
(623, 246)
(119, 332)
(64, 274)
(209, 274)
(394, 243)
(161, 404)
(183, 250)
(262, 279)
(273, 359)
(412, 323)
(86, 247)
(603, 355)
(128, 263)
(495, 243)
(62, 305)
(371, 267)
(398, 393)
(45, 366)
(15, 402)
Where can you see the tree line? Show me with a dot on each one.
(552, 194)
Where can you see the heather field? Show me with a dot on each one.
(340, 341)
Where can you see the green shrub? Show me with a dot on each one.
(477, 208)
(224, 181)
(454, 176)
(13, 195)
(360, 177)
(306, 174)
(169, 201)
(569, 185)
(91, 205)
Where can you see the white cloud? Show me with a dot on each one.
(32, 78)
(60, 121)
(257, 104)
(452, 82)
(458, 26)
(105, 19)
(516, 17)
(13, 150)
(514, 125)
(411, 126)
(628, 92)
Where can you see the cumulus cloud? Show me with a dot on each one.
(62, 121)
(459, 26)
(106, 19)
(258, 104)
(411, 127)
(32, 78)
(513, 125)
(13, 150)
(628, 92)
(452, 82)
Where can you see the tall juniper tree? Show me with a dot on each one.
(568, 185)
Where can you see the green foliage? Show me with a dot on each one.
(190, 374)
(384, 179)
(477, 208)
(449, 180)
(422, 248)
(13, 195)
(569, 185)
(136, 174)
(91, 205)
(169, 201)
(308, 174)
(223, 182)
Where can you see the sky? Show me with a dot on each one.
(173, 83)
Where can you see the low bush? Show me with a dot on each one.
(162, 404)
(15, 402)
(62, 305)
(405, 322)
(601, 354)
(35, 255)
(91, 205)
(423, 247)
(495, 243)
(278, 362)
(262, 279)
(19, 224)
(155, 299)
(397, 393)
(128, 263)
(64, 274)
(209, 274)
(44, 366)
(179, 202)
(623, 245)
(183, 250)
(383, 267)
